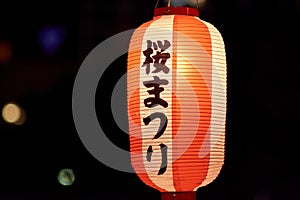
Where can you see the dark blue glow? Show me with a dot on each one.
(51, 39)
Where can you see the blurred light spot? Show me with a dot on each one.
(51, 39)
(200, 3)
(12, 113)
(66, 177)
(5, 52)
(262, 196)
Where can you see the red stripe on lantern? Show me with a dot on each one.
(189, 169)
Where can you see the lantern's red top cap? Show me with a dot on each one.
(176, 11)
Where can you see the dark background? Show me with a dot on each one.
(262, 149)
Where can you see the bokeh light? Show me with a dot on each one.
(66, 177)
(51, 39)
(5, 52)
(14, 114)
(262, 196)
(200, 3)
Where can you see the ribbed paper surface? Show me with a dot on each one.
(176, 87)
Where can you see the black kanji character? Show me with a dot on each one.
(156, 100)
(163, 147)
(148, 58)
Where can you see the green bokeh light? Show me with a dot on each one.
(66, 177)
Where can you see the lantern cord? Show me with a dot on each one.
(169, 3)
(197, 4)
(156, 4)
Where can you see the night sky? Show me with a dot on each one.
(261, 151)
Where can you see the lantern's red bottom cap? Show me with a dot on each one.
(178, 196)
(176, 11)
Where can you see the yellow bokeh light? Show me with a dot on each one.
(12, 113)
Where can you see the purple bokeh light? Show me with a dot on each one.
(51, 39)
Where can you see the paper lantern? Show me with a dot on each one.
(176, 92)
